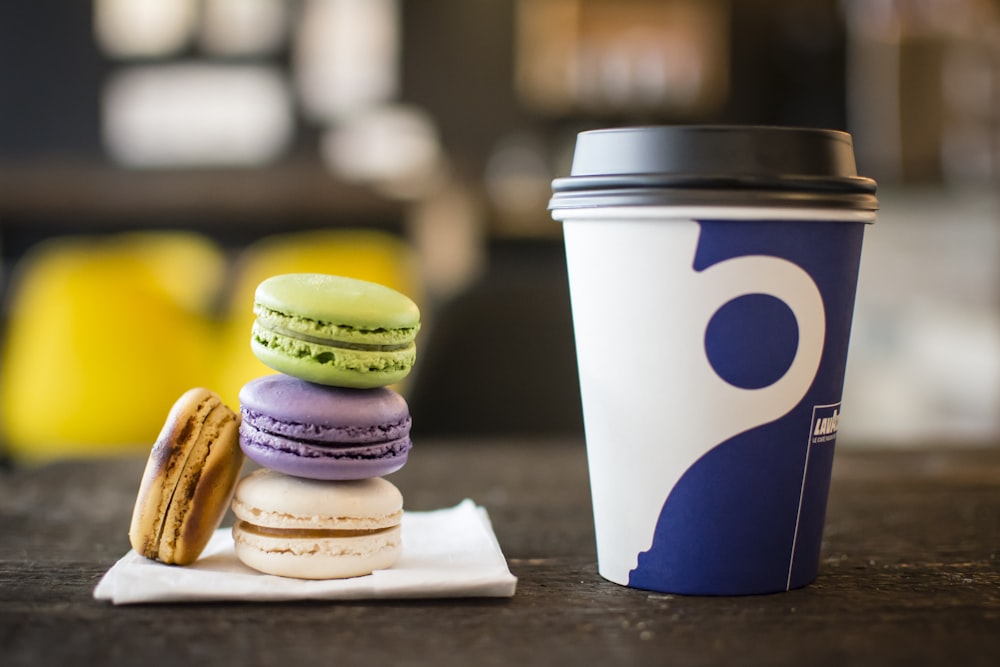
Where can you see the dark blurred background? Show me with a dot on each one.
(185, 148)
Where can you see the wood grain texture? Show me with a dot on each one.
(910, 575)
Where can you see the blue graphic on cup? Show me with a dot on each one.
(747, 515)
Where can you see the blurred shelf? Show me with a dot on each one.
(52, 196)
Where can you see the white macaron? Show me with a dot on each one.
(313, 529)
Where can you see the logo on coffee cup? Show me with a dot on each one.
(825, 421)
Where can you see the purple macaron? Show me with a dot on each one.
(323, 432)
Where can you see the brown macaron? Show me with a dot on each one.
(189, 479)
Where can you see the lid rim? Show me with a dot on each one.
(600, 182)
(634, 197)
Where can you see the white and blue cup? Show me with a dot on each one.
(712, 274)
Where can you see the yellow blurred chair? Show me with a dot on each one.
(373, 255)
(103, 334)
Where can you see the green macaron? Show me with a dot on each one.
(334, 330)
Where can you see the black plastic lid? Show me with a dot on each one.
(714, 165)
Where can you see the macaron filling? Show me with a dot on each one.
(391, 365)
(326, 434)
(331, 333)
(253, 437)
(342, 344)
(311, 533)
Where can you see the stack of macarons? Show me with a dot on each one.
(326, 428)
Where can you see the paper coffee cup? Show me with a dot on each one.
(712, 275)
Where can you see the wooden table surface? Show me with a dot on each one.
(910, 576)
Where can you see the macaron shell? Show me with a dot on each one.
(203, 495)
(302, 410)
(271, 499)
(317, 557)
(188, 481)
(338, 300)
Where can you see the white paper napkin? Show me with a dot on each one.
(449, 552)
